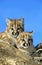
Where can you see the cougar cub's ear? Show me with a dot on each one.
(7, 21)
(22, 20)
(31, 32)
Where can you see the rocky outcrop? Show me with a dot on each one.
(37, 55)
(10, 55)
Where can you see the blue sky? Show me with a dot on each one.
(31, 10)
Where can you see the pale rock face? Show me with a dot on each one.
(11, 61)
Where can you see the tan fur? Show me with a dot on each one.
(10, 55)
(24, 40)
(11, 29)
(24, 35)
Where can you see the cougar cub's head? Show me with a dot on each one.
(15, 26)
(24, 40)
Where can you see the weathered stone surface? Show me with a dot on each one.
(12, 56)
